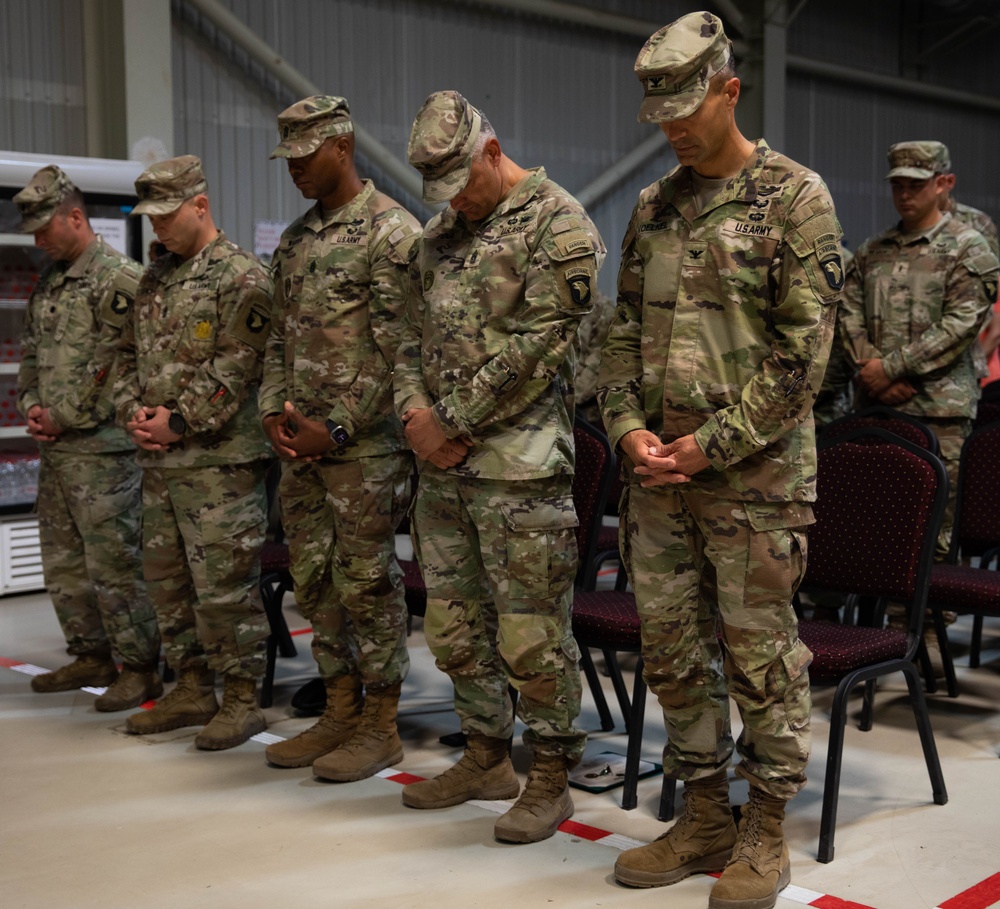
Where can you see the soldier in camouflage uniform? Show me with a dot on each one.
(727, 295)
(484, 384)
(186, 389)
(973, 217)
(89, 484)
(341, 274)
(915, 300)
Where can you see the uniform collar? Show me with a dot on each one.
(318, 220)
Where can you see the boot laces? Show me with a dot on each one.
(750, 839)
(543, 786)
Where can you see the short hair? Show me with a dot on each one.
(727, 72)
(486, 132)
(72, 199)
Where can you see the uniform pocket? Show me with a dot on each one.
(540, 543)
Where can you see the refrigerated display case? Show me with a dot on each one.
(109, 188)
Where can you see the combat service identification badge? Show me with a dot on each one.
(833, 268)
(579, 287)
(990, 286)
(120, 304)
(256, 322)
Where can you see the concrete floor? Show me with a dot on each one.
(97, 818)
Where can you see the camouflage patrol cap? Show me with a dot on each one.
(675, 64)
(305, 125)
(39, 200)
(164, 186)
(918, 160)
(443, 137)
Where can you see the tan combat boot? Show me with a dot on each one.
(483, 772)
(759, 868)
(90, 670)
(134, 686)
(374, 745)
(700, 841)
(191, 703)
(238, 718)
(542, 807)
(334, 727)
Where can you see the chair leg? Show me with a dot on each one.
(668, 793)
(621, 579)
(267, 683)
(923, 721)
(631, 785)
(621, 691)
(867, 706)
(926, 669)
(590, 673)
(831, 785)
(948, 664)
(975, 645)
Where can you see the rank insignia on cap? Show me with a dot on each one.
(833, 268)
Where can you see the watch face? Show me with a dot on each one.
(339, 435)
(177, 424)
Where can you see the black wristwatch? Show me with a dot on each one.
(337, 432)
(177, 424)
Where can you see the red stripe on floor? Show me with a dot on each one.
(979, 897)
(9, 663)
(404, 779)
(584, 831)
(834, 902)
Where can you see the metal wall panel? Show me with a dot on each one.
(558, 94)
(41, 77)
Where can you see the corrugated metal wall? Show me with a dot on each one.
(41, 77)
(559, 95)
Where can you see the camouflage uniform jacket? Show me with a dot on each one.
(724, 324)
(977, 220)
(918, 301)
(73, 322)
(491, 321)
(340, 289)
(194, 342)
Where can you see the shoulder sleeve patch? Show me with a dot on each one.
(252, 323)
(116, 307)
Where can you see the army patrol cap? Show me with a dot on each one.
(38, 201)
(164, 186)
(675, 64)
(306, 125)
(918, 160)
(441, 142)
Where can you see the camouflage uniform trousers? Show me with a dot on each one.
(340, 519)
(951, 434)
(704, 567)
(499, 559)
(203, 529)
(90, 526)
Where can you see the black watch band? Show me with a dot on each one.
(337, 432)
(177, 424)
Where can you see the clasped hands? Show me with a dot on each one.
(150, 429)
(428, 441)
(41, 426)
(663, 464)
(879, 386)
